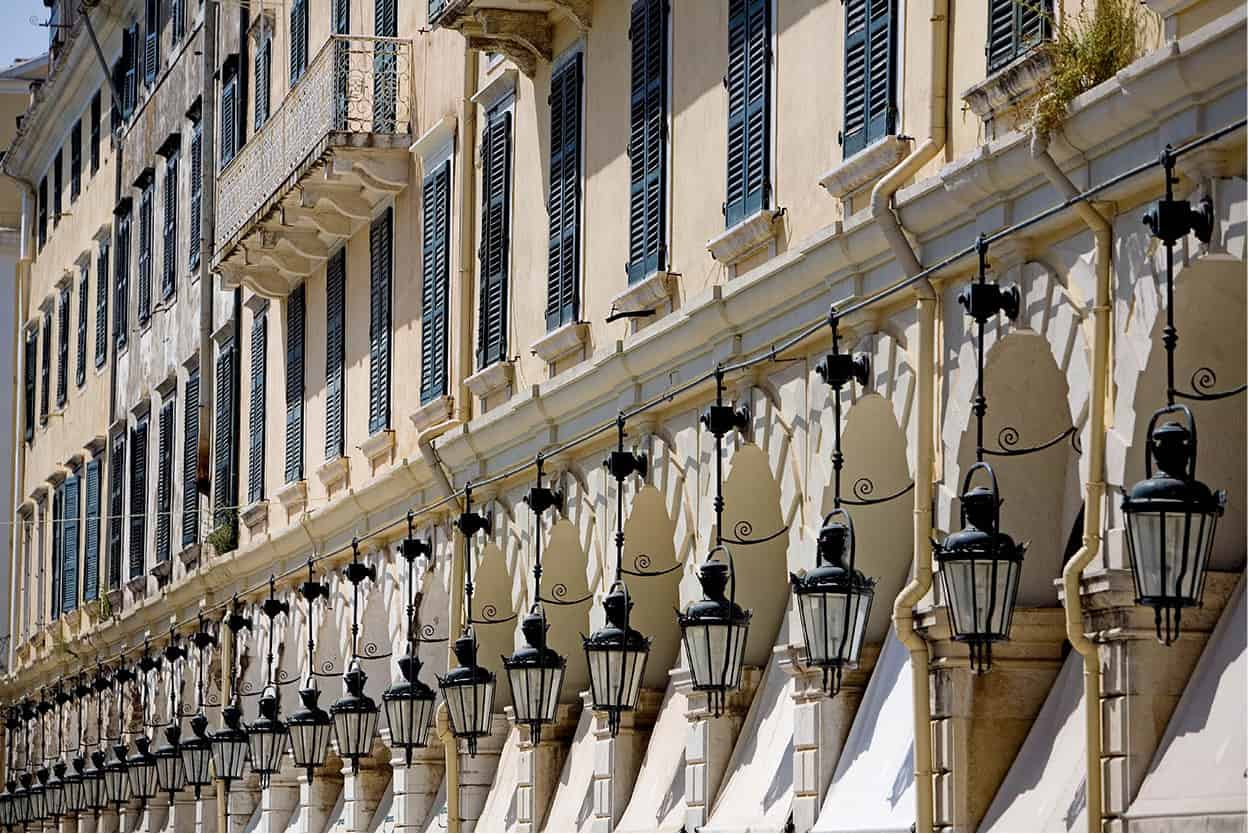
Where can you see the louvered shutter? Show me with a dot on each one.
(170, 242)
(131, 57)
(101, 305)
(225, 450)
(138, 497)
(164, 483)
(42, 223)
(151, 46)
(84, 292)
(177, 16)
(96, 108)
(647, 139)
(259, 373)
(229, 117)
(70, 543)
(869, 75)
(121, 316)
(197, 189)
(435, 9)
(495, 235)
(335, 353)
(264, 66)
(295, 313)
(385, 66)
(116, 507)
(145, 254)
(381, 267)
(298, 39)
(31, 381)
(58, 188)
(341, 23)
(1014, 27)
(62, 351)
(91, 562)
(435, 281)
(45, 393)
(75, 161)
(190, 459)
(749, 93)
(57, 556)
(563, 242)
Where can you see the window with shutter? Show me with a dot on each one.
(169, 244)
(31, 381)
(151, 41)
(101, 305)
(75, 161)
(1014, 27)
(435, 9)
(70, 542)
(229, 117)
(164, 482)
(335, 353)
(177, 20)
(381, 268)
(91, 536)
(340, 24)
(84, 290)
(495, 238)
(435, 281)
(145, 251)
(42, 223)
(647, 139)
(190, 458)
(748, 82)
(225, 449)
(116, 507)
(197, 188)
(563, 242)
(385, 65)
(130, 65)
(121, 270)
(96, 108)
(298, 39)
(57, 556)
(62, 352)
(255, 449)
(58, 188)
(138, 497)
(870, 109)
(264, 69)
(295, 320)
(45, 383)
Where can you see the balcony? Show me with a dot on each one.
(518, 29)
(316, 172)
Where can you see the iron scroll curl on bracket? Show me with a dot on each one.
(1008, 438)
(1203, 380)
(864, 487)
(741, 534)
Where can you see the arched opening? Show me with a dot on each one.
(492, 584)
(563, 579)
(649, 545)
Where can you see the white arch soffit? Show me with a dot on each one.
(573, 803)
(497, 814)
(670, 477)
(657, 802)
(437, 814)
(383, 817)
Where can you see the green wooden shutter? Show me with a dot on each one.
(295, 313)
(495, 240)
(197, 189)
(97, 106)
(177, 16)
(1014, 27)
(62, 348)
(435, 281)
(229, 119)
(168, 274)
(190, 459)
(91, 562)
(84, 291)
(58, 528)
(225, 449)
(869, 73)
(145, 254)
(749, 93)
(381, 267)
(116, 507)
(138, 497)
(130, 59)
(563, 243)
(298, 39)
(256, 418)
(42, 224)
(335, 353)
(45, 388)
(385, 66)
(121, 317)
(647, 139)
(31, 382)
(264, 67)
(101, 305)
(58, 189)
(164, 482)
(70, 540)
(75, 161)
(151, 41)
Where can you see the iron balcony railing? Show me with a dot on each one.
(354, 85)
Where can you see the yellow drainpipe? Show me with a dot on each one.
(1095, 487)
(227, 693)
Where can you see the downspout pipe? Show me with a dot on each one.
(1094, 496)
(21, 292)
(925, 460)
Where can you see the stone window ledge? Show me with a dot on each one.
(1009, 86)
(746, 237)
(491, 380)
(437, 410)
(333, 470)
(866, 166)
(647, 294)
(378, 445)
(561, 341)
(255, 513)
(292, 494)
(189, 555)
(137, 586)
(162, 571)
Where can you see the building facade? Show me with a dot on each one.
(319, 276)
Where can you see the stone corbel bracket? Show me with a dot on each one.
(522, 36)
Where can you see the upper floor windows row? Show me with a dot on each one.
(50, 208)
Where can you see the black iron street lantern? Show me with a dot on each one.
(714, 631)
(355, 714)
(39, 795)
(409, 702)
(229, 746)
(170, 770)
(75, 790)
(54, 792)
(6, 804)
(93, 783)
(141, 768)
(616, 655)
(21, 801)
(310, 727)
(116, 782)
(196, 753)
(266, 737)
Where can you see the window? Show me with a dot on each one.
(91, 562)
(255, 457)
(435, 281)
(71, 507)
(1014, 27)
(340, 23)
(295, 313)
(125, 77)
(381, 267)
(335, 353)
(647, 140)
(138, 497)
(870, 113)
(96, 105)
(101, 305)
(563, 249)
(225, 449)
(169, 244)
(30, 382)
(177, 20)
(263, 73)
(62, 351)
(164, 481)
(229, 110)
(495, 238)
(43, 212)
(45, 392)
(57, 557)
(58, 187)
(151, 41)
(75, 161)
(116, 507)
(190, 458)
(435, 9)
(147, 182)
(84, 290)
(385, 65)
(298, 39)
(121, 270)
(197, 185)
(749, 93)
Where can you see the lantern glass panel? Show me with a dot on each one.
(981, 594)
(615, 676)
(470, 707)
(834, 624)
(54, 798)
(309, 742)
(535, 692)
(75, 794)
(38, 803)
(1170, 553)
(266, 745)
(170, 772)
(354, 730)
(229, 754)
(196, 757)
(143, 777)
(716, 652)
(410, 719)
(93, 789)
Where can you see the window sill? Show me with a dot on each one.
(647, 294)
(333, 471)
(378, 446)
(189, 556)
(292, 495)
(865, 166)
(489, 381)
(255, 513)
(437, 410)
(561, 341)
(1009, 87)
(162, 571)
(745, 238)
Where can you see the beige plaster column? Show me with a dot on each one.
(317, 799)
(279, 800)
(181, 816)
(86, 823)
(241, 801)
(156, 813)
(131, 816)
(363, 786)
(415, 785)
(540, 766)
(476, 773)
(710, 741)
(205, 810)
(617, 761)
(107, 822)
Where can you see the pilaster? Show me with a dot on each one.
(476, 773)
(317, 799)
(205, 810)
(156, 813)
(363, 785)
(182, 812)
(86, 823)
(617, 761)
(540, 766)
(241, 802)
(416, 784)
(108, 822)
(279, 800)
